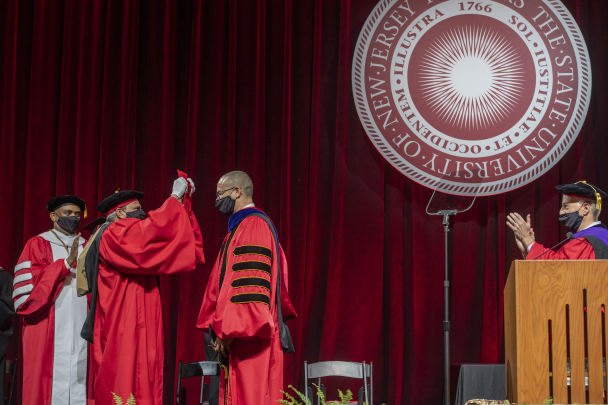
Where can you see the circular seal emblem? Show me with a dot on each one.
(471, 97)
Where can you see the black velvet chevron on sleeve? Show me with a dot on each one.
(253, 250)
(252, 265)
(251, 282)
(249, 298)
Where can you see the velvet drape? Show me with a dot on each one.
(108, 94)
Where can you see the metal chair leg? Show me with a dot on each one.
(202, 397)
(306, 379)
(178, 400)
(365, 383)
(371, 382)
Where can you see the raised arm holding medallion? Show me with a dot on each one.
(125, 321)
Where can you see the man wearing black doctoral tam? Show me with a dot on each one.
(54, 354)
(121, 263)
(580, 211)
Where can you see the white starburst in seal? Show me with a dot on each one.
(472, 77)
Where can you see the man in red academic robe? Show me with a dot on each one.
(125, 322)
(241, 307)
(54, 354)
(580, 210)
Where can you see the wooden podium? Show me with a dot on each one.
(555, 331)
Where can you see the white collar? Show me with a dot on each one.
(593, 224)
(67, 239)
(248, 206)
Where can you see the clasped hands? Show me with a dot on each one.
(222, 346)
(524, 234)
(73, 251)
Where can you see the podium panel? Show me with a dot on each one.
(555, 331)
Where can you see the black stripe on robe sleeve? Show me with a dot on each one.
(251, 282)
(252, 265)
(247, 298)
(252, 250)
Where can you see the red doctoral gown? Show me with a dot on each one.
(573, 250)
(128, 335)
(54, 355)
(246, 309)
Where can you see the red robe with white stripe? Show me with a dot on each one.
(128, 350)
(44, 293)
(246, 309)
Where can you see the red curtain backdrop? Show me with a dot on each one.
(108, 94)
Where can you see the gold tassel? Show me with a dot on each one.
(85, 210)
(226, 375)
(227, 389)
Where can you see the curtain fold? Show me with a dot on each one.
(117, 94)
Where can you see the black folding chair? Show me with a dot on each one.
(198, 369)
(340, 369)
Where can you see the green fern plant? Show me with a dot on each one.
(320, 394)
(344, 398)
(291, 400)
(118, 400)
(548, 401)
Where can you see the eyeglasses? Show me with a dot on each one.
(221, 192)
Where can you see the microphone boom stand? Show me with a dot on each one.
(446, 304)
(446, 214)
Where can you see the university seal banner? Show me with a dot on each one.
(457, 93)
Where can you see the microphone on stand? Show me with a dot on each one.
(569, 236)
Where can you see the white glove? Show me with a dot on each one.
(193, 189)
(179, 187)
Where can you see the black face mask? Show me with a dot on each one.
(572, 220)
(139, 214)
(69, 224)
(225, 205)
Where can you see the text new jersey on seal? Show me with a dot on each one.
(457, 93)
